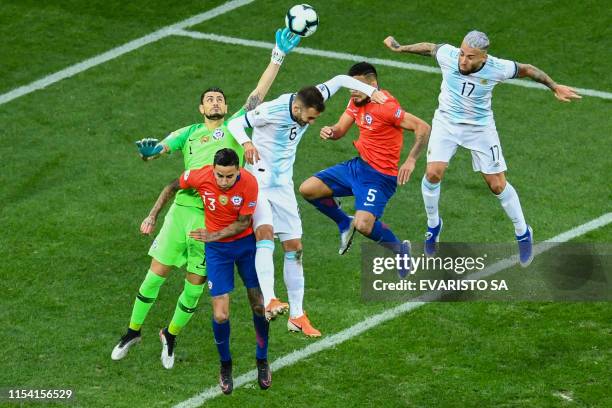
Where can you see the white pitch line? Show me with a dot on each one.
(376, 61)
(118, 51)
(389, 314)
(567, 396)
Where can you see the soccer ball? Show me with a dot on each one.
(302, 20)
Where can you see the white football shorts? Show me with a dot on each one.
(482, 141)
(277, 206)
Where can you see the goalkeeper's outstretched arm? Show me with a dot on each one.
(285, 43)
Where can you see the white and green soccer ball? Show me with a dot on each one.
(302, 20)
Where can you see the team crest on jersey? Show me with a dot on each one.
(484, 81)
(236, 200)
(368, 118)
(223, 199)
(218, 134)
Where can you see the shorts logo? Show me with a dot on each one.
(209, 285)
(368, 118)
(236, 200)
(218, 134)
(223, 199)
(186, 175)
(154, 244)
(398, 112)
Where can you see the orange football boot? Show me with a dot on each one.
(275, 307)
(303, 324)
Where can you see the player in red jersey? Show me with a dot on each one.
(373, 176)
(229, 194)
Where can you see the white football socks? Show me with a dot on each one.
(293, 273)
(431, 196)
(510, 202)
(264, 265)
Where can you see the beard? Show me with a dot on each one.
(362, 102)
(214, 116)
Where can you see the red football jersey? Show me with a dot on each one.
(380, 136)
(222, 208)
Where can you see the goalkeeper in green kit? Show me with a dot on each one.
(173, 247)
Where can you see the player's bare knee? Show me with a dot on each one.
(306, 189)
(496, 183)
(292, 245)
(264, 232)
(195, 279)
(257, 306)
(363, 225)
(256, 300)
(434, 175)
(258, 309)
(159, 268)
(496, 188)
(221, 316)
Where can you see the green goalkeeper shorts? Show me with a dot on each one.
(172, 246)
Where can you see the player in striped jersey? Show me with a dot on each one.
(464, 118)
(278, 127)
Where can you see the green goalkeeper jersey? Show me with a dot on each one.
(199, 146)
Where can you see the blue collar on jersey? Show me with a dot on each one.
(479, 69)
(291, 113)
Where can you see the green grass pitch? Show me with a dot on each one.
(74, 193)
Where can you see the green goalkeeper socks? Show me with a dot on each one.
(146, 297)
(185, 306)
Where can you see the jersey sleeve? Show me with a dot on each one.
(250, 196)
(261, 115)
(329, 88)
(176, 140)
(447, 56)
(393, 113)
(187, 179)
(506, 69)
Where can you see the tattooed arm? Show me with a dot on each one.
(421, 137)
(562, 92)
(148, 224)
(234, 228)
(424, 48)
(263, 86)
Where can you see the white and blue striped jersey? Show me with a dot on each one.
(467, 98)
(276, 135)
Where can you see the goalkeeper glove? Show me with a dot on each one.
(149, 147)
(286, 41)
